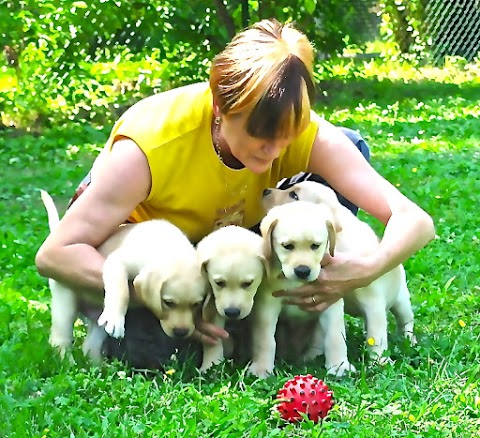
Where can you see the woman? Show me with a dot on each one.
(201, 155)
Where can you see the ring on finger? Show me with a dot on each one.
(314, 301)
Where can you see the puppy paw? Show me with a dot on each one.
(114, 326)
(411, 337)
(341, 369)
(257, 369)
(63, 346)
(210, 362)
(205, 366)
(312, 353)
(61, 349)
(92, 351)
(66, 354)
(95, 357)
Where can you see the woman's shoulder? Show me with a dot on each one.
(159, 118)
(185, 97)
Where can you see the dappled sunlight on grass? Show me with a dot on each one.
(454, 71)
(396, 117)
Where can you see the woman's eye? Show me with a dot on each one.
(288, 246)
(293, 195)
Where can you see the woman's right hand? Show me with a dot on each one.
(208, 333)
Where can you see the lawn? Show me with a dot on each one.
(425, 138)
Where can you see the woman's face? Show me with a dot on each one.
(256, 154)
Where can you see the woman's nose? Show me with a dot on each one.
(273, 148)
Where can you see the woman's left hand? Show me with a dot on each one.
(338, 276)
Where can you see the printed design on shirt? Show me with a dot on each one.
(233, 215)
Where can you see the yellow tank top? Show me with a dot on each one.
(191, 187)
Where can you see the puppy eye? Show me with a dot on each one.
(293, 195)
(220, 283)
(288, 246)
(169, 304)
(246, 284)
(314, 246)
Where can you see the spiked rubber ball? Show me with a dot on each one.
(304, 395)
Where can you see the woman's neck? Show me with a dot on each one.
(227, 157)
(222, 149)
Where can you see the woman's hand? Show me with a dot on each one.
(339, 275)
(208, 333)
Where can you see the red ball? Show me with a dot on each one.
(304, 395)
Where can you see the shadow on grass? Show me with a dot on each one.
(445, 116)
(348, 93)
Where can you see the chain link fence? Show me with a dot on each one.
(452, 28)
(431, 29)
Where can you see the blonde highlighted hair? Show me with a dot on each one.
(267, 72)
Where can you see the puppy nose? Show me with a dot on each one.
(180, 332)
(266, 192)
(232, 312)
(302, 271)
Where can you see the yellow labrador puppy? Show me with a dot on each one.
(389, 292)
(234, 264)
(165, 271)
(297, 235)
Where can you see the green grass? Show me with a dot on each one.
(425, 138)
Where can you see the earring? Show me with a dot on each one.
(217, 120)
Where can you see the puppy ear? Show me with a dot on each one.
(266, 265)
(266, 228)
(332, 238)
(145, 284)
(208, 306)
(203, 269)
(336, 213)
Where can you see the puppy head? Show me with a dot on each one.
(175, 297)
(233, 262)
(309, 191)
(298, 235)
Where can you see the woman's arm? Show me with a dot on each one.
(119, 182)
(408, 227)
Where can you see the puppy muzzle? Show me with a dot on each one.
(180, 332)
(302, 271)
(232, 312)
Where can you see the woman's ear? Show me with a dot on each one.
(216, 108)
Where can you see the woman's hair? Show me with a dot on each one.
(266, 71)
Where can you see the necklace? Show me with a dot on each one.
(216, 141)
(218, 149)
(233, 214)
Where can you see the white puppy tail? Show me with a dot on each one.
(52, 212)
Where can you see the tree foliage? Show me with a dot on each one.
(87, 60)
